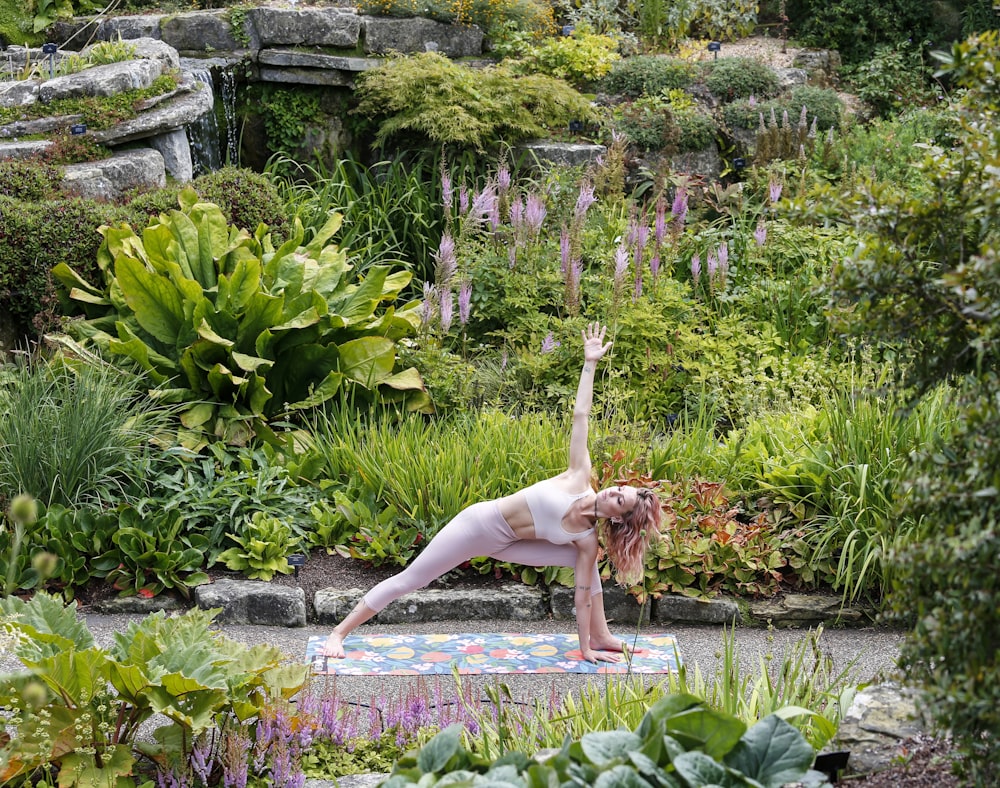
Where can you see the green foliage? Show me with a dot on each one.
(241, 333)
(74, 149)
(734, 78)
(893, 79)
(644, 75)
(581, 58)
(679, 734)
(78, 709)
(927, 272)
(286, 113)
(440, 102)
(856, 27)
(724, 20)
(48, 11)
(70, 431)
(33, 181)
(531, 16)
(263, 544)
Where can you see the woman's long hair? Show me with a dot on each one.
(627, 538)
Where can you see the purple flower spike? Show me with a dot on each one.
(446, 192)
(679, 209)
(516, 212)
(752, 101)
(464, 302)
(723, 258)
(549, 343)
(534, 213)
(584, 200)
(503, 179)
(621, 263)
(485, 203)
(427, 307)
(774, 191)
(760, 234)
(512, 257)
(660, 223)
(446, 306)
(564, 250)
(446, 260)
(637, 293)
(654, 266)
(463, 199)
(712, 264)
(696, 267)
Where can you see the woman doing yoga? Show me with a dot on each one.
(551, 523)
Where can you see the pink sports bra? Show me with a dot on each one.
(548, 505)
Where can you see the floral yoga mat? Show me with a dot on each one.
(476, 653)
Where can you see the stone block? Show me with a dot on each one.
(19, 93)
(22, 149)
(385, 34)
(176, 152)
(564, 154)
(138, 604)
(673, 607)
(253, 602)
(512, 603)
(330, 605)
(307, 76)
(130, 27)
(106, 80)
(619, 606)
(806, 610)
(174, 112)
(325, 27)
(110, 179)
(207, 31)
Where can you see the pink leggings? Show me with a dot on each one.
(478, 530)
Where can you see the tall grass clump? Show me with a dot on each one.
(70, 431)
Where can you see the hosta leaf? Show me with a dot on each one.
(772, 752)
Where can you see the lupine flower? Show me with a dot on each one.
(584, 200)
(564, 250)
(446, 192)
(445, 303)
(463, 199)
(549, 343)
(660, 223)
(679, 209)
(774, 191)
(534, 213)
(464, 302)
(760, 234)
(446, 261)
(503, 179)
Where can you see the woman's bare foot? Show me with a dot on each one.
(612, 643)
(334, 647)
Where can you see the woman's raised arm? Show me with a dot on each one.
(594, 349)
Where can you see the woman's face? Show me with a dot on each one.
(616, 501)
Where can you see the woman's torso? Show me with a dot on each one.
(545, 510)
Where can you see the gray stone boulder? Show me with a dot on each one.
(880, 719)
(180, 108)
(822, 65)
(324, 27)
(807, 610)
(563, 154)
(674, 607)
(146, 48)
(386, 34)
(19, 93)
(205, 32)
(106, 80)
(619, 607)
(109, 179)
(791, 77)
(22, 149)
(253, 602)
(512, 603)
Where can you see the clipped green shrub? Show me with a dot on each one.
(894, 78)
(431, 99)
(647, 75)
(734, 78)
(22, 179)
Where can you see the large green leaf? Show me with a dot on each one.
(605, 747)
(236, 290)
(713, 731)
(81, 769)
(772, 752)
(700, 771)
(155, 301)
(368, 360)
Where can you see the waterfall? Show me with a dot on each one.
(213, 143)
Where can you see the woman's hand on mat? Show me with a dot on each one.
(600, 656)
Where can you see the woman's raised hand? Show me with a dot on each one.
(593, 342)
